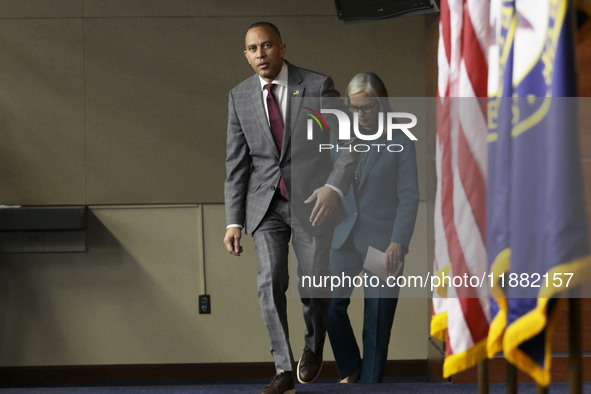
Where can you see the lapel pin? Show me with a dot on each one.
(296, 92)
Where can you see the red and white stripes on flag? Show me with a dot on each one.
(461, 315)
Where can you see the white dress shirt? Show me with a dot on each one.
(280, 92)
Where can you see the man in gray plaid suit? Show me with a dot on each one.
(261, 195)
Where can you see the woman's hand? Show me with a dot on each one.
(392, 258)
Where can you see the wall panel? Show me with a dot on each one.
(156, 105)
(128, 105)
(41, 8)
(42, 112)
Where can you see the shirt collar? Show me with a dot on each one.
(281, 78)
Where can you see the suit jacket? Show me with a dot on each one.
(254, 165)
(383, 202)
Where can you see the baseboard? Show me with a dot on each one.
(173, 373)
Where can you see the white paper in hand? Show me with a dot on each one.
(374, 263)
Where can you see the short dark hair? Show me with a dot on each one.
(265, 24)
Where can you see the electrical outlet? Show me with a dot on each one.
(204, 304)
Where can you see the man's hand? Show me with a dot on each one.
(326, 200)
(232, 240)
(392, 257)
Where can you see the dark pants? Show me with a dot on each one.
(378, 315)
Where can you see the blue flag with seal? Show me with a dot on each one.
(537, 234)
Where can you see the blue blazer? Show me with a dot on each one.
(382, 204)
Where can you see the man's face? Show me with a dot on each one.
(264, 51)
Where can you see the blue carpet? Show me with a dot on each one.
(255, 387)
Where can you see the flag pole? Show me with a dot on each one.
(483, 377)
(574, 346)
(511, 378)
(542, 389)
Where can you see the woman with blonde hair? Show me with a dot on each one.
(381, 210)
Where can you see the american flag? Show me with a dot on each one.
(461, 314)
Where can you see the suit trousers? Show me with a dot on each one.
(378, 316)
(272, 239)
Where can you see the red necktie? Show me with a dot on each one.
(276, 124)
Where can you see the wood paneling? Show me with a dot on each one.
(497, 372)
(587, 188)
(584, 61)
(560, 341)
